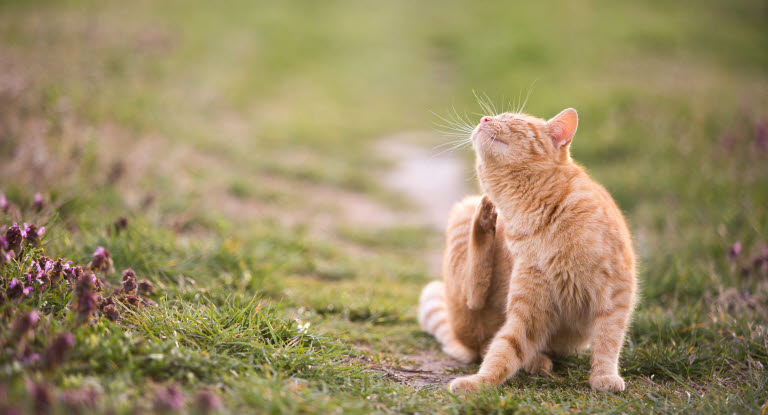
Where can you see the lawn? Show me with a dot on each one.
(239, 159)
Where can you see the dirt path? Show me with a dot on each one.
(432, 182)
(430, 179)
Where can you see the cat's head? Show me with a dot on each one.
(518, 140)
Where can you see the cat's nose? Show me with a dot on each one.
(485, 119)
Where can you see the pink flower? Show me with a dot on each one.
(110, 312)
(85, 296)
(25, 322)
(59, 349)
(734, 251)
(207, 402)
(38, 202)
(32, 234)
(129, 281)
(146, 287)
(15, 288)
(761, 136)
(169, 399)
(101, 260)
(14, 237)
(41, 396)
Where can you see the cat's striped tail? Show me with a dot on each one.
(434, 319)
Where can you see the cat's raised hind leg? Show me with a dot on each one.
(481, 254)
(521, 338)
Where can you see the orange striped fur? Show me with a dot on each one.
(541, 265)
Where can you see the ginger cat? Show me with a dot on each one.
(542, 265)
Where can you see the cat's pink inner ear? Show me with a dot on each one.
(563, 126)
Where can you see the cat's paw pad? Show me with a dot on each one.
(608, 383)
(466, 384)
(540, 365)
(486, 218)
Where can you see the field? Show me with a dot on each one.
(273, 171)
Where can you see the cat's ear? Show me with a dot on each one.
(562, 127)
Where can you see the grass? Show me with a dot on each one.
(241, 144)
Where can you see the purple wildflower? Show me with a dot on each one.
(129, 282)
(32, 234)
(98, 285)
(758, 262)
(68, 274)
(146, 287)
(168, 399)
(4, 203)
(13, 238)
(86, 298)
(120, 224)
(111, 313)
(761, 136)
(745, 271)
(72, 273)
(106, 302)
(207, 402)
(54, 270)
(41, 396)
(132, 300)
(6, 257)
(129, 273)
(78, 400)
(734, 251)
(42, 262)
(38, 202)
(101, 260)
(59, 349)
(15, 288)
(28, 356)
(37, 276)
(25, 322)
(85, 305)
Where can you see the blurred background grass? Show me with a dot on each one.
(243, 138)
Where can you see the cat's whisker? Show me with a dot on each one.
(462, 141)
(490, 101)
(452, 125)
(457, 136)
(503, 104)
(483, 104)
(453, 128)
(453, 146)
(518, 101)
(528, 95)
(451, 149)
(465, 122)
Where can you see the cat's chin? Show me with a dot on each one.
(485, 138)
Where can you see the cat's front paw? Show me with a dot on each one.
(466, 384)
(608, 383)
(486, 217)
